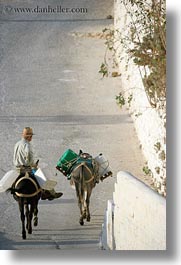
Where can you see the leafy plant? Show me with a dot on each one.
(157, 146)
(130, 99)
(145, 42)
(148, 35)
(162, 155)
(103, 69)
(120, 100)
(146, 170)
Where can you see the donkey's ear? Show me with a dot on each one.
(80, 152)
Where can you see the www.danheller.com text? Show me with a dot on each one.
(47, 10)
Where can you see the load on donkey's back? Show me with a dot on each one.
(70, 160)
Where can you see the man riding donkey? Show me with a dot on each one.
(23, 160)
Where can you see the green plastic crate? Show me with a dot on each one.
(67, 160)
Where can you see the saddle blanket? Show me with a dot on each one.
(9, 178)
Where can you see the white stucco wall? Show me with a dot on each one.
(138, 217)
(149, 123)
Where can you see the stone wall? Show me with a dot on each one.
(149, 122)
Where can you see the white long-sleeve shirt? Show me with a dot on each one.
(23, 154)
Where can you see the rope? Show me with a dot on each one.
(70, 163)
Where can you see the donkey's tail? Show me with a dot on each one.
(13, 190)
(81, 186)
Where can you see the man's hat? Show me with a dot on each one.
(28, 131)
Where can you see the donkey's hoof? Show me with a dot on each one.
(35, 221)
(24, 236)
(81, 222)
(88, 218)
(30, 231)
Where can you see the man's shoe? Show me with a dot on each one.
(55, 195)
(45, 194)
(50, 195)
